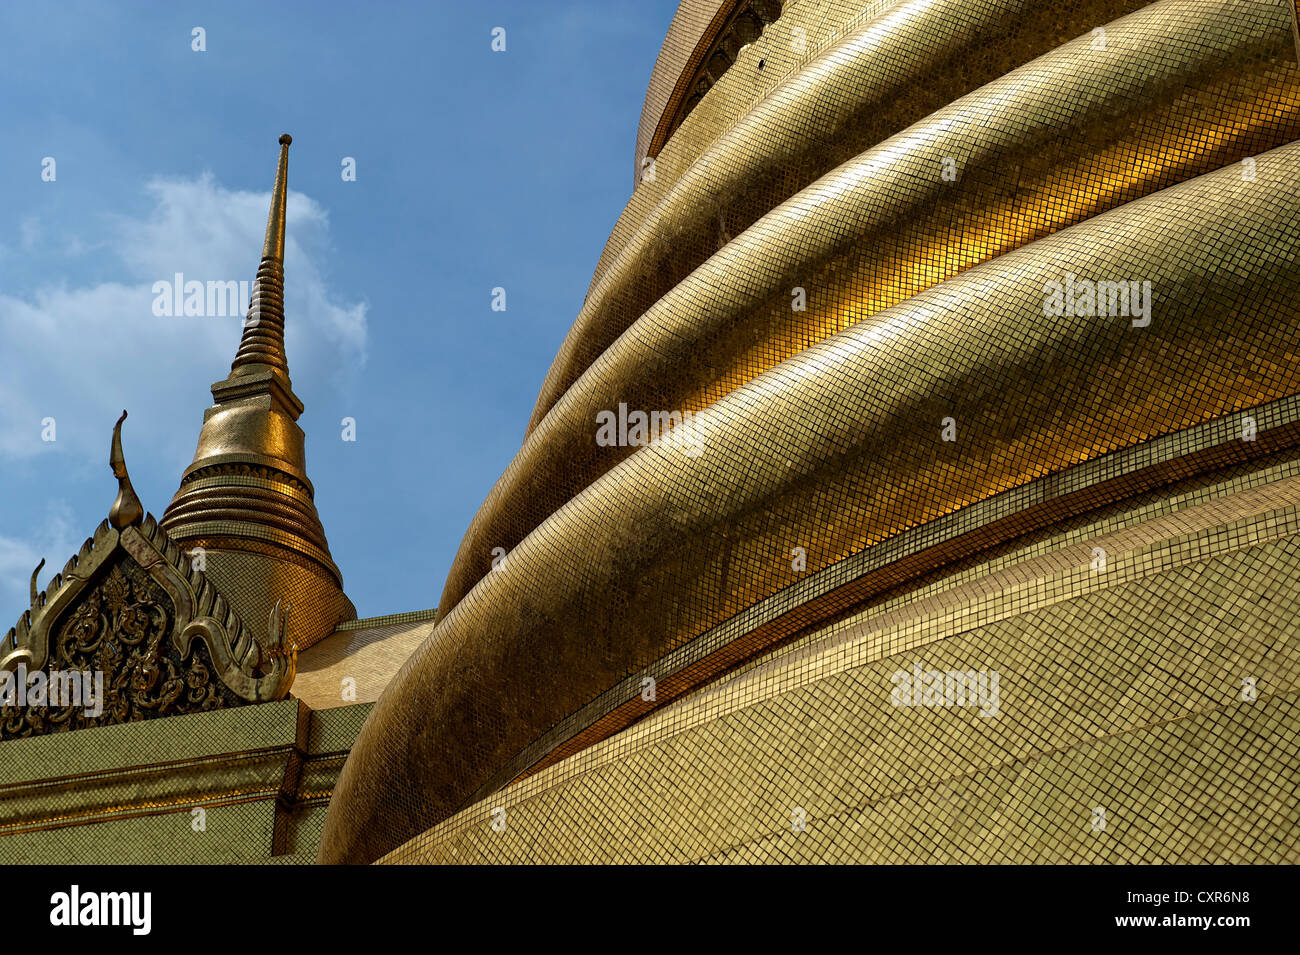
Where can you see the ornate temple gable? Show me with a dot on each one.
(129, 631)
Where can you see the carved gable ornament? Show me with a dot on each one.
(131, 631)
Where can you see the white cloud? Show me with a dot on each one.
(80, 354)
(30, 234)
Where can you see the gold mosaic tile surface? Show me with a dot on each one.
(685, 34)
(711, 654)
(1157, 149)
(886, 226)
(712, 534)
(890, 65)
(260, 776)
(1124, 695)
(367, 656)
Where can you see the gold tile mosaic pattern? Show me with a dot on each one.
(1030, 157)
(892, 65)
(824, 436)
(355, 664)
(691, 23)
(256, 575)
(262, 776)
(735, 25)
(1109, 699)
(874, 576)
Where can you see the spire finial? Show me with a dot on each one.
(126, 509)
(273, 247)
(262, 345)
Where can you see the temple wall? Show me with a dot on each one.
(262, 774)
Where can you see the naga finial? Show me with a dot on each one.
(126, 509)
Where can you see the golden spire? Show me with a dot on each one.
(246, 500)
(262, 346)
(273, 247)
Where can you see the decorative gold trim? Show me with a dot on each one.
(677, 109)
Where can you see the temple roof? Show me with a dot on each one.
(137, 621)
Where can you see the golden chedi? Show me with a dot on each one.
(919, 481)
(246, 502)
(983, 315)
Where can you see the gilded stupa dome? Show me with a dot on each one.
(938, 292)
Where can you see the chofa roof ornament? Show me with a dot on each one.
(127, 509)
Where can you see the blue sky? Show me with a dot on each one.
(474, 170)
